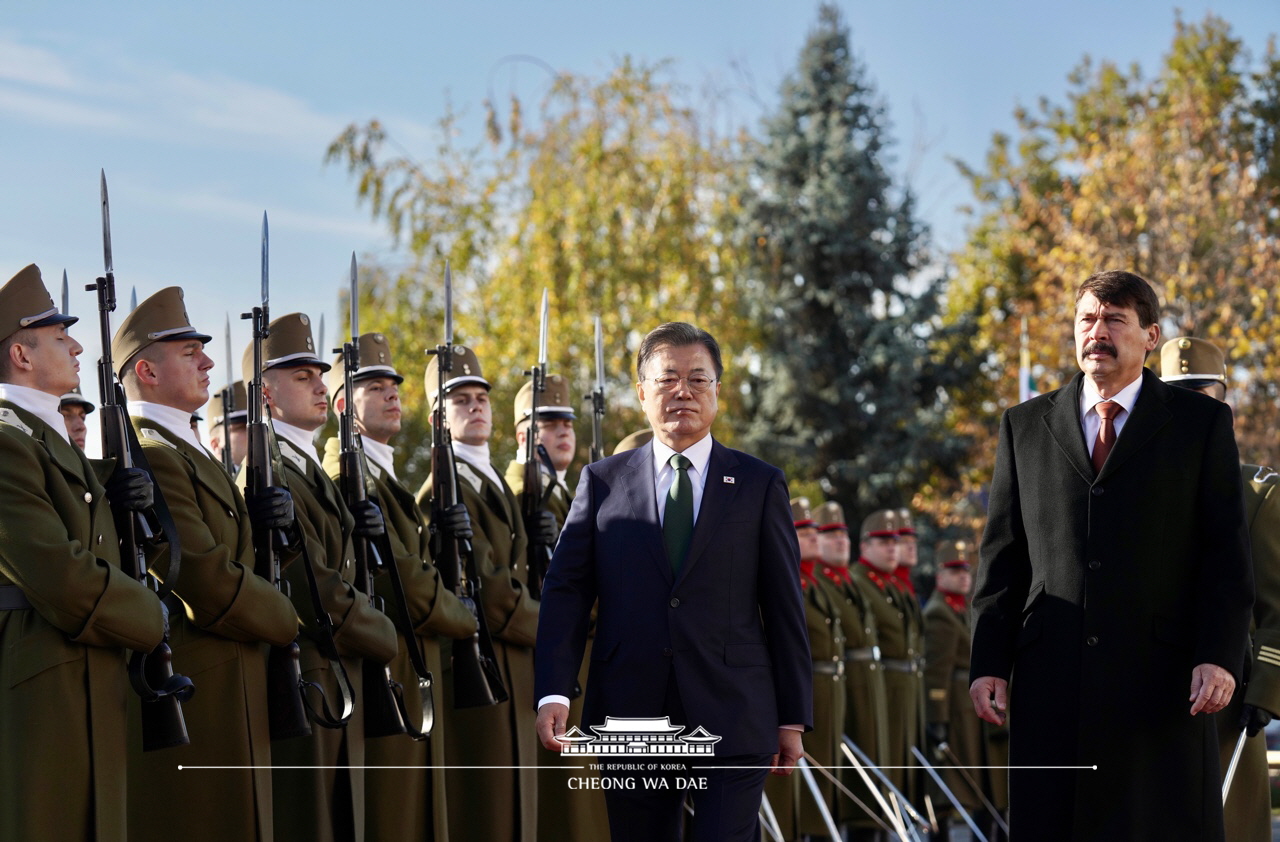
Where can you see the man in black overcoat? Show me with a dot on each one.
(1113, 602)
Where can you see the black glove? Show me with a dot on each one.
(457, 522)
(271, 508)
(1253, 719)
(541, 528)
(130, 488)
(368, 520)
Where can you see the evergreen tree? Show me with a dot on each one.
(845, 391)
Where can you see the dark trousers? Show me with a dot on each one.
(648, 805)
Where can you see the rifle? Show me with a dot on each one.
(228, 403)
(288, 707)
(151, 675)
(386, 713)
(477, 679)
(533, 498)
(596, 396)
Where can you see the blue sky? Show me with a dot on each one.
(204, 115)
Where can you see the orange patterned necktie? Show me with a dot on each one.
(1107, 410)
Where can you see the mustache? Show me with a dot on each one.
(1099, 347)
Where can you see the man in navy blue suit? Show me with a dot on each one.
(689, 548)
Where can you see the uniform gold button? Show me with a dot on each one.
(88, 496)
(99, 539)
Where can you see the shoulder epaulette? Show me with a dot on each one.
(152, 434)
(469, 474)
(8, 416)
(288, 452)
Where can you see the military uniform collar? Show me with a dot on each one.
(40, 404)
(382, 456)
(175, 421)
(299, 438)
(477, 455)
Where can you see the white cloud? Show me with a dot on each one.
(33, 66)
(45, 109)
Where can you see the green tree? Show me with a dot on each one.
(847, 390)
(1172, 177)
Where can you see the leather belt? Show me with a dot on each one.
(829, 667)
(865, 653)
(899, 665)
(13, 599)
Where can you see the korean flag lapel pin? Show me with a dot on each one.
(728, 480)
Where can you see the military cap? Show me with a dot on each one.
(885, 523)
(829, 517)
(239, 406)
(801, 514)
(465, 371)
(1192, 363)
(288, 345)
(161, 318)
(75, 398)
(553, 404)
(634, 441)
(24, 302)
(955, 555)
(375, 361)
(905, 525)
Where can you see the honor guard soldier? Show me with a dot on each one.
(633, 441)
(562, 814)
(226, 612)
(555, 433)
(324, 801)
(405, 782)
(793, 801)
(949, 712)
(75, 407)
(866, 715)
(497, 804)
(67, 610)
(903, 577)
(229, 425)
(899, 644)
(1197, 364)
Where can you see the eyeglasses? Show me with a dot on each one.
(697, 383)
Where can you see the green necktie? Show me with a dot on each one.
(677, 518)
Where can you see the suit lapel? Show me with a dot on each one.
(1149, 414)
(1063, 422)
(717, 500)
(639, 482)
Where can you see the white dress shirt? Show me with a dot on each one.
(663, 474)
(1092, 421)
(176, 421)
(40, 404)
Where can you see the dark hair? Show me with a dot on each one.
(1123, 289)
(677, 335)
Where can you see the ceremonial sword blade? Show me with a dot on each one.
(266, 275)
(355, 304)
(448, 304)
(542, 331)
(599, 356)
(106, 222)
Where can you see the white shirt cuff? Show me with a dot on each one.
(561, 700)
